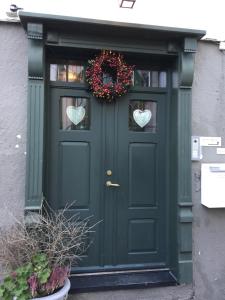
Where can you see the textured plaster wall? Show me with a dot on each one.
(208, 119)
(13, 98)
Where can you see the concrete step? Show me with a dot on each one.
(182, 292)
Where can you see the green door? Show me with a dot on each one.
(109, 160)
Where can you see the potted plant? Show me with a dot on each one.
(37, 255)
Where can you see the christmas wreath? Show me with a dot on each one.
(109, 76)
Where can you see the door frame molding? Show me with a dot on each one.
(46, 31)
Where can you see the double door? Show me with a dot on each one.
(108, 162)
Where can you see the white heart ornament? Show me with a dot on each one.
(75, 114)
(142, 117)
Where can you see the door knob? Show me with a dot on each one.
(109, 183)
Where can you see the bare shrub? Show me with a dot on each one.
(61, 239)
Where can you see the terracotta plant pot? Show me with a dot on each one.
(62, 294)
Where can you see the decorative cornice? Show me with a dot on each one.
(190, 45)
(35, 78)
(35, 31)
(35, 51)
(58, 22)
(187, 62)
(186, 69)
(185, 204)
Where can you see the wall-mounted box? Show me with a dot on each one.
(210, 141)
(213, 185)
(196, 149)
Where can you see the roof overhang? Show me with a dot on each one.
(132, 30)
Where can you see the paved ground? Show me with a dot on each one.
(183, 292)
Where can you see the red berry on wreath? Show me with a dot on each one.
(109, 76)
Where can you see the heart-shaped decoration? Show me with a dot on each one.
(142, 117)
(75, 114)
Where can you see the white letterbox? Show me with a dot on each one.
(213, 185)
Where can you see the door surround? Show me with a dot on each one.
(46, 31)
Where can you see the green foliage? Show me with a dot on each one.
(38, 254)
(18, 283)
(41, 267)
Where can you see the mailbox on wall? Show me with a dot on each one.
(213, 185)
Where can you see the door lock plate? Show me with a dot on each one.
(109, 172)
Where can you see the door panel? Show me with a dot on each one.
(137, 229)
(74, 178)
(74, 163)
(142, 197)
(140, 193)
(122, 142)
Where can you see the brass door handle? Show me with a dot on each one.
(109, 183)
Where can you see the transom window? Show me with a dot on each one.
(150, 78)
(75, 73)
(67, 72)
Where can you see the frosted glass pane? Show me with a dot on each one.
(142, 116)
(53, 72)
(61, 73)
(74, 113)
(155, 79)
(75, 73)
(162, 79)
(142, 78)
(57, 72)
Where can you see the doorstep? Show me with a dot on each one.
(125, 279)
(181, 292)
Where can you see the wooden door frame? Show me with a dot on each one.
(45, 31)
